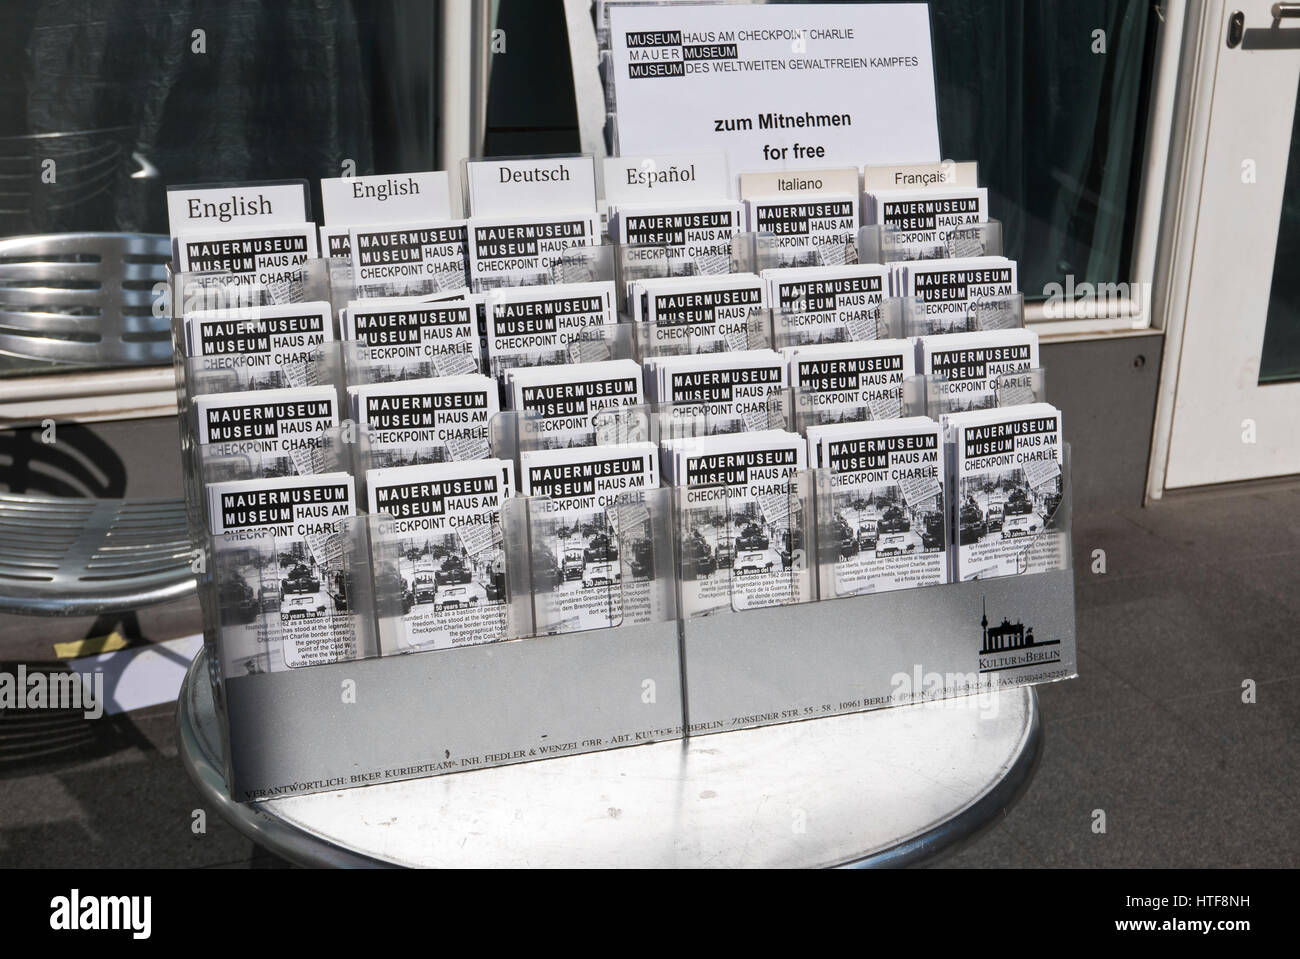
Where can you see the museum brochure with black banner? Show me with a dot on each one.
(436, 420)
(965, 368)
(845, 382)
(546, 325)
(262, 347)
(742, 524)
(442, 523)
(280, 573)
(281, 432)
(926, 223)
(694, 237)
(1007, 486)
(711, 393)
(806, 229)
(826, 304)
(701, 314)
(946, 289)
(885, 528)
(573, 404)
(429, 337)
(267, 257)
(397, 259)
(592, 555)
(507, 251)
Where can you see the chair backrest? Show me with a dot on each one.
(84, 299)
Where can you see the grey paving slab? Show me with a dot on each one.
(1170, 799)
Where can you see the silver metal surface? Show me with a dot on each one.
(1281, 10)
(84, 557)
(444, 711)
(860, 652)
(885, 788)
(84, 299)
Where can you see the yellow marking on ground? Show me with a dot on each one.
(90, 647)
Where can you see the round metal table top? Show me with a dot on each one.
(881, 788)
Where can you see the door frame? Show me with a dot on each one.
(1202, 47)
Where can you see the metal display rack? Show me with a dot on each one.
(648, 675)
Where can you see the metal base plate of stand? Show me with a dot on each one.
(883, 788)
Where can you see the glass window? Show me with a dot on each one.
(530, 97)
(103, 103)
(1280, 359)
(1056, 127)
(1049, 97)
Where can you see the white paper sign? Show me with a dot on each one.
(788, 86)
(774, 183)
(908, 176)
(399, 198)
(680, 178)
(534, 185)
(202, 209)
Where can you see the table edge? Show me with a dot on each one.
(295, 845)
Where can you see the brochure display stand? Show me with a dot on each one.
(340, 708)
(583, 565)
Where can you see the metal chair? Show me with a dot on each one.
(84, 299)
(73, 300)
(86, 557)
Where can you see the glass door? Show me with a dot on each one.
(1236, 412)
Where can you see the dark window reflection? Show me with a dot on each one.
(1057, 128)
(114, 92)
(1280, 358)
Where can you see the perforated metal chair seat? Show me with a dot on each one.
(86, 557)
(84, 299)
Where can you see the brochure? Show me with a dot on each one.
(808, 229)
(826, 304)
(741, 521)
(545, 325)
(437, 420)
(567, 405)
(849, 382)
(443, 523)
(281, 580)
(415, 335)
(1008, 485)
(507, 251)
(966, 368)
(261, 348)
(273, 432)
(884, 528)
(592, 558)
